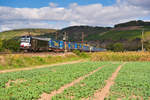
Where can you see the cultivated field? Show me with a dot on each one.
(80, 81)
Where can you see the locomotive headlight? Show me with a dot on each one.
(22, 45)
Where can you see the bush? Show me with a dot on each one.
(110, 47)
(118, 47)
(77, 52)
(147, 46)
(1, 45)
(84, 55)
(11, 45)
(81, 54)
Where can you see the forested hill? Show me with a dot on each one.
(124, 35)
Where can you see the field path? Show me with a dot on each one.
(46, 96)
(101, 94)
(42, 66)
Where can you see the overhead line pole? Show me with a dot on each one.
(142, 40)
(65, 38)
(82, 38)
(56, 36)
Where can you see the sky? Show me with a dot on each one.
(57, 14)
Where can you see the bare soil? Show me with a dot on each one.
(43, 66)
(102, 93)
(46, 96)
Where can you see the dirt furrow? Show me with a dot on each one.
(42, 66)
(46, 96)
(102, 93)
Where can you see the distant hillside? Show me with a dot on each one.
(20, 32)
(133, 23)
(75, 32)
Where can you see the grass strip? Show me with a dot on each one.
(22, 61)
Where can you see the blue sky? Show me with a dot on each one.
(43, 3)
(57, 14)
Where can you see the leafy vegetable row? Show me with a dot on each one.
(88, 86)
(29, 85)
(133, 82)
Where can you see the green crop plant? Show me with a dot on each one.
(29, 85)
(132, 82)
(87, 87)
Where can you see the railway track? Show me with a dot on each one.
(28, 53)
(36, 53)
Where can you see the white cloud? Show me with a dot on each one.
(51, 4)
(97, 14)
(74, 14)
(9, 25)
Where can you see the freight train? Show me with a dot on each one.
(29, 43)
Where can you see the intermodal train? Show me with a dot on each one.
(30, 43)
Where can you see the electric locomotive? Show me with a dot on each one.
(29, 43)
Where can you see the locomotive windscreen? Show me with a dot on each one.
(25, 39)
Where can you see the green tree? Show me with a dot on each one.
(110, 47)
(1, 45)
(12, 45)
(147, 45)
(117, 47)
